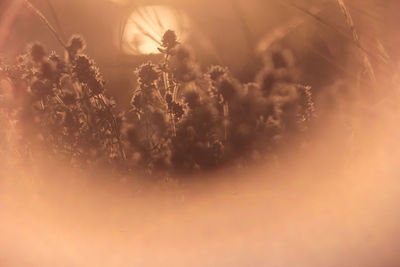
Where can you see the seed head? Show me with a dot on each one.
(279, 58)
(147, 73)
(76, 45)
(215, 72)
(37, 52)
(83, 68)
(169, 40)
(88, 73)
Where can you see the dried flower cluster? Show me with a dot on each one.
(183, 120)
(180, 119)
(61, 105)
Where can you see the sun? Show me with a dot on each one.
(146, 26)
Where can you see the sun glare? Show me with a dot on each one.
(146, 25)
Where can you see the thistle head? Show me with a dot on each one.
(147, 73)
(37, 52)
(76, 45)
(169, 40)
(215, 72)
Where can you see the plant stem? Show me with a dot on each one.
(167, 89)
(46, 22)
(56, 20)
(114, 125)
(356, 39)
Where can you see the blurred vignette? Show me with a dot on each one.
(331, 201)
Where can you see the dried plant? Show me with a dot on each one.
(183, 120)
(180, 118)
(62, 104)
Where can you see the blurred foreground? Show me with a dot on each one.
(329, 207)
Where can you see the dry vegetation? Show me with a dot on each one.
(180, 119)
(284, 173)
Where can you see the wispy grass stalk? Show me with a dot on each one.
(350, 24)
(46, 22)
